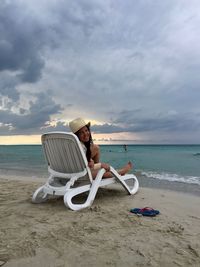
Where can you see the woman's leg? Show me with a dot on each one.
(122, 171)
(126, 168)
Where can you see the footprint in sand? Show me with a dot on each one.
(175, 228)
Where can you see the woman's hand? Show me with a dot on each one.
(91, 164)
(105, 166)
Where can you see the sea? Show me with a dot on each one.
(173, 167)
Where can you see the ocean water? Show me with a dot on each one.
(170, 166)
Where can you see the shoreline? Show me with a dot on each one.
(186, 188)
(38, 176)
(106, 234)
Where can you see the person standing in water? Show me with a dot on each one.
(92, 151)
(125, 147)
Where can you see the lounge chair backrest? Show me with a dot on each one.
(64, 152)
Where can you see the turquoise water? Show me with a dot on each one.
(23, 158)
(165, 162)
(173, 163)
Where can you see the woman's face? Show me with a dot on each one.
(84, 134)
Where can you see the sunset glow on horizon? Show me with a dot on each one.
(98, 138)
(20, 140)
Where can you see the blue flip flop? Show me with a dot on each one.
(145, 211)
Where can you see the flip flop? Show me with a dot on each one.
(145, 211)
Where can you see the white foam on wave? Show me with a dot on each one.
(173, 177)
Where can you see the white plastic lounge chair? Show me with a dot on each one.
(70, 174)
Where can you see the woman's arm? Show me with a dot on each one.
(96, 166)
(95, 153)
(102, 165)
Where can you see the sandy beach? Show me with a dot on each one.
(106, 234)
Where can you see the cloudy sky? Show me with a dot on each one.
(130, 67)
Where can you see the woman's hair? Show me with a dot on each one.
(87, 144)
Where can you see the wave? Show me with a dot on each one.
(173, 177)
(196, 154)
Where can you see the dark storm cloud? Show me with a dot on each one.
(129, 121)
(8, 88)
(59, 126)
(138, 121)
(21, 41)
(25, 35)
(107, 128)
(32, 120)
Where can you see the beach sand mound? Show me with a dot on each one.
(106, 234)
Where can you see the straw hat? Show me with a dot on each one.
(77, 124)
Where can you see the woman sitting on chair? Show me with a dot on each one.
(82, 130)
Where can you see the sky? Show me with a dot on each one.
(129, 67)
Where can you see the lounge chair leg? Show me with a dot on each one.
(122, 180)
(39, 196)
(77, 191)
